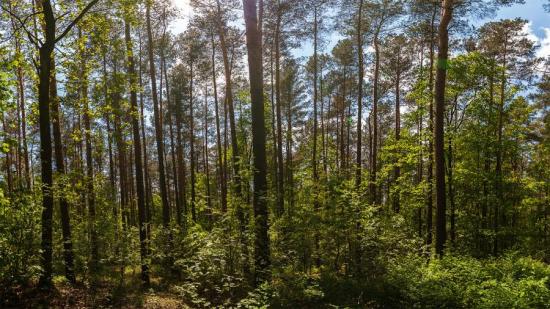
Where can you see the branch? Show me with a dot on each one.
(76, 20)
(33, 39)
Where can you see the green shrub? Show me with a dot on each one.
(464, 282)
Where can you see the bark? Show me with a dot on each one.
(140, 188)
(374, 151)
(45, 53)
(158, 126)
(429, 176)
(451, 191)
(223, 181)
(439, 142)
(181, 160)
(324, 138)
(192, 146)
(498, 164)
(122, 158)
(147, 178)
(280, 163)
(172, 148)
(254, 47)
(229, 102)
(60, 168)
(205, 154)
(397, 170)
(90, 194)
(359, 95)
(22, 115)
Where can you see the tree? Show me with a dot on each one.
(159, 135)
(439, 143)
(507, 44)
(253, 20)
(46, 48)
(140, 186)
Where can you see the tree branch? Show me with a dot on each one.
(32, 38)
(76, 20)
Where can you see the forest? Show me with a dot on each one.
(274, 154)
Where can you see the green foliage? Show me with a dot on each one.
(464, 282)
(209, 266)
(19, 239)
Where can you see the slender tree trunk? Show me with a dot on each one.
(158, 126)
(420, 166)
(94, 262)
(122, 158)
(147, 178)
(60, 168)
(273, 120)
(181, 160)
(223, 183)
(429, 199)
(192, 146)
(8, 164)
(172, 147)
(324, 130)
(205, 156)
(229, 101)
(280, 163)
(374, 152)
(289, 145)
(140, 188)
(451, 190)
(359, 95)
(397, 170)
(22, 107)
(45, 53)
(254, 46)
(439, 142)
(498, 164)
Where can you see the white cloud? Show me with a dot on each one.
(180, 24)
(544, 50)
(528, 31)
(544, 43)
(182, 4)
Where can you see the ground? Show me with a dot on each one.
(106, 295)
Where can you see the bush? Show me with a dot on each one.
(464, 282)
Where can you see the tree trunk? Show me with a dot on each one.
(280, 163)
(158, 125)
(94, 262)
(397, 170)
(140, 188)
(254, 47)
(429, 199)
(223, 183)
(359, 95)
(60, 166)
(439, 141)
(45, 53)
(192, 145)
(205, 154)
(229, 102)
(374, 152)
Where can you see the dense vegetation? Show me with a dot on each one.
(272, 153)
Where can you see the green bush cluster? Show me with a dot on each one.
(463, 282)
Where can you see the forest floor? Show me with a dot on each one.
(106, 294)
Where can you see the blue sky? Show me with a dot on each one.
(532, 10)
(539, 21)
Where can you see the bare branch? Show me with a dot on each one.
(32, 38)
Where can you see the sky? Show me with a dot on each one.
(538, 27)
